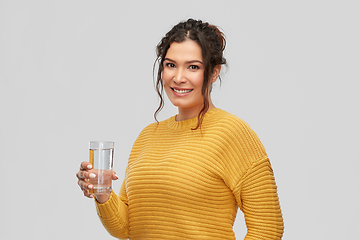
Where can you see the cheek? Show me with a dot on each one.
(166, 77)
(198, 80)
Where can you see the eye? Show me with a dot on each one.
(170, 65)
(194, 67)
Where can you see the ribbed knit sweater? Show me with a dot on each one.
(188, 184)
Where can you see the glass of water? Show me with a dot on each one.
(101, 158)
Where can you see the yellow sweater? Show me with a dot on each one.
(188, 184)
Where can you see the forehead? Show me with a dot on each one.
(186, 50)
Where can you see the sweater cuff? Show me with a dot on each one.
(106, 210)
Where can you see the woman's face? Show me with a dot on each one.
(183, 76)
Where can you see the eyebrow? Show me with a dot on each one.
(188, 62)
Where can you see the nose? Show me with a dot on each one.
(180, 77)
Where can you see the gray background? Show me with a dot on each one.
(75, 71)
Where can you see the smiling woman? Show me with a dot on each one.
(188, 175)
(183, 78)
(197, 47)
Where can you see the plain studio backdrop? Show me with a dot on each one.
(76, 71)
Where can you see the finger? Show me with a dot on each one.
(81, 175)
(85, 166)
(84, 185)
(85, 188)
(85, 175)
(87, 194)
(114, 176)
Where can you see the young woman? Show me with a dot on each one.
(188, 175)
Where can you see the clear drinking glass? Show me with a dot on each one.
(101, 158)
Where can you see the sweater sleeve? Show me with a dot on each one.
(113, 214)
(250, 177)
(257, 197)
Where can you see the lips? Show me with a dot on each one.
(181, 91)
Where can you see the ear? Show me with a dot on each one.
(216, 73)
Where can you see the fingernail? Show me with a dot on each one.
(91, 196)
(89, 166)
(92, 175)
(90, 186)
(117, 177)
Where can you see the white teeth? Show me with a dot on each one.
(182, 91)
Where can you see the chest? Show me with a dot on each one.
(177, 167)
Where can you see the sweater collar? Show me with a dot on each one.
(189, 123)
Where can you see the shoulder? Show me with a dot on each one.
(231, 122)
(145, 135)
(154, 128)
(238, 134)
(148, 129)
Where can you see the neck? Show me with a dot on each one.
(188, 113)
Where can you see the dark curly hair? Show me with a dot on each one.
(212, 43)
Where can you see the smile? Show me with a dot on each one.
(181, 91)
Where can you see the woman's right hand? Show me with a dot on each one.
(83, 176)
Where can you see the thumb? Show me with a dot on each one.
(114, 176)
